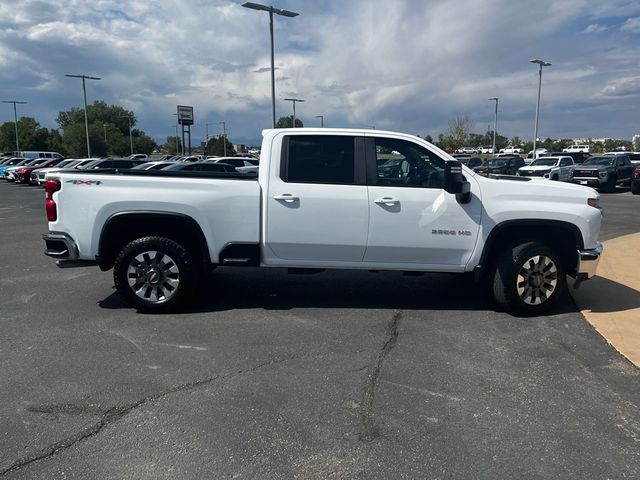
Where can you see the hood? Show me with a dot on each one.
(537, 168)
(592, 167)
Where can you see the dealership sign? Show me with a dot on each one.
(185, 115)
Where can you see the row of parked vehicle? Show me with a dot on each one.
(603, 172)
(33, 171)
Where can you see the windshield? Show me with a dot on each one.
(496, 162)
(91, 164)
(546, 162)
(143, 166)
(599, 161)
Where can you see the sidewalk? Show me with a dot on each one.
(611, 300)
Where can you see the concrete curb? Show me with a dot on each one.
(611, 301)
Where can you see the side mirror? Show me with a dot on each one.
(455, 183)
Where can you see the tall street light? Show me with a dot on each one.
(495, 125)
(177, 139)
(541, 63)
(277, 11)
(224, 130)
(15, 116)
(84, 91)
(321, 117)
(206, 141)
(130, 137)
(294, 100)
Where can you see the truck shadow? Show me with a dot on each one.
(602, 295)
(274, 289)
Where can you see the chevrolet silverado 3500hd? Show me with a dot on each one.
(327, 198)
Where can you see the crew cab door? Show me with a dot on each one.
(316, 202)
(413, 221)
(566, 169)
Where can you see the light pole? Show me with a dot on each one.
(541, 63)
(321, 117)
(84, 92)
(104, 126)
(294, 100)
(206, 127)
(130, 137)
(224, 130)
(176, 137)
(15, 116)
(277, 11)
(495, 126)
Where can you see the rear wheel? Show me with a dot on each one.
(635, 188)
(155, 273)
(610, 185)
(529, 279)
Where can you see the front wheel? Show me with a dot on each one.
(155, 273)
(529, 279)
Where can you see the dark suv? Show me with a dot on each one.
(578, 157)
(112, 163)
(500, 166)
(604, 172)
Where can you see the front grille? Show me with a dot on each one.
(534, 173)
(585, 173)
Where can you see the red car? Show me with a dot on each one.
(635, 181)
(23, 174)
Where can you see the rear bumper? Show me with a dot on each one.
(588, 263)
(62, 247)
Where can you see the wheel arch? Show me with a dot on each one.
(124, 227)
(565, 236)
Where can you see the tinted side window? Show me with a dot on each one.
(320, 159)
(402, 163)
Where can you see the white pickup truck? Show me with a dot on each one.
(327, 198)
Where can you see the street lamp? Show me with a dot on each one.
(294, 100)
(84, 91)
(130, 137)
(277, 11)
(15, 116)
(206, 140)
(495, 125)
(542, 63)
(321, 117)
(104, 126)
(177, 139)
(224, 130)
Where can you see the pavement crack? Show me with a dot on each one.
(368, 428)
(112, 415)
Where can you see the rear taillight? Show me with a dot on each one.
(51, 186)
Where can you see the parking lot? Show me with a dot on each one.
(269, 375)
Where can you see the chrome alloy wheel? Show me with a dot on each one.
(537, 280)
(153, 276)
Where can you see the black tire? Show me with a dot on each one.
(555, 178)
(529, 279)
(635, 188)
(610, 186)
(155, 274)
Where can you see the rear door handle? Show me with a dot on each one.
(287, 197)
(389, 201)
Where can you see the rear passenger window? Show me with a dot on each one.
(319, 159)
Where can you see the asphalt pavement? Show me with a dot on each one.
(268, 375)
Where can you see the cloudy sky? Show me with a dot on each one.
(405, 65)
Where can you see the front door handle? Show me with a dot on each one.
(388, 201)
(287, 197)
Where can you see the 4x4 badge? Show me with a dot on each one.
(85, 182)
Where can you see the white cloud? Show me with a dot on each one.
(594, 28)
(623, 87)
(631, 25)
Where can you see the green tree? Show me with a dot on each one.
(170, 145)
(458, 131)
(30, 134)
(287, 122)
(428, 138)
(215, 146)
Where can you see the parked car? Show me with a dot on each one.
(23, 174)
(511, 149)
(153, 165)
(468, 150)
(471, 162)
(604, 172)
(578, 157)
(635, 181)
(201, 167)
(111, 163)
(540, 152)
(500, 166)
(577, 148)
(9, 172)
(38, 176)
(634, 157)
(488, 149)
(13, 162)
(553, 168)
(241, 164)
(138, 156)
